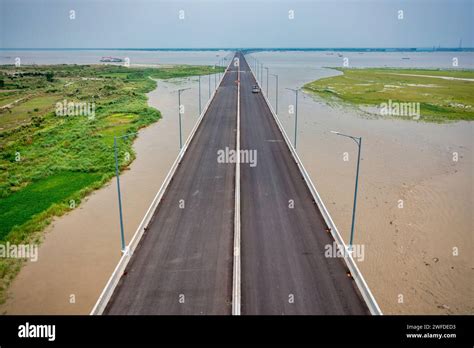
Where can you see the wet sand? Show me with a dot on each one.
(82, 248)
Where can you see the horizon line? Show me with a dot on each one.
(234, 48)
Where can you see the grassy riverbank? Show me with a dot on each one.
(48, 161)
(440, 98)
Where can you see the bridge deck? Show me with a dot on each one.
(183, 264)
(284, 270)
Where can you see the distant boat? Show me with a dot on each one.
(405, 58)
(111, 60)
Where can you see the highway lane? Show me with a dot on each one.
(284, 270)
(183, 264)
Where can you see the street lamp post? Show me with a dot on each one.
(209, 86)
(259, 69)
(267, 80)
(117, 175)
(276, 93)
(179, 113)
(296, 113)
(256, 69)
(199, 94)
(215, 81)
(358, 141)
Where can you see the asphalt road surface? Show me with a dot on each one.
(183, 264)
(284, 270)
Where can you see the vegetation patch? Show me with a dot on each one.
(442, 95)
(18, 208)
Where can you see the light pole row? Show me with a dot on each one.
(276, 93)
(358, 141)
(119, 194)
(220, 63)
(258, 69)
(259, 72)
(180, 111)
(116, 138)
(296, 114)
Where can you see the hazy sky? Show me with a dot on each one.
(234, 23)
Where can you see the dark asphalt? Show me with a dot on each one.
(284, 270)
(183, 264)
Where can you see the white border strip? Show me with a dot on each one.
(124, 260)
(236, 285)
(351, 264)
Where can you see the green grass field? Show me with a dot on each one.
(440, 100)
(17, 209)
(48, 161)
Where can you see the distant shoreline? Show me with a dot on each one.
(262, 49)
